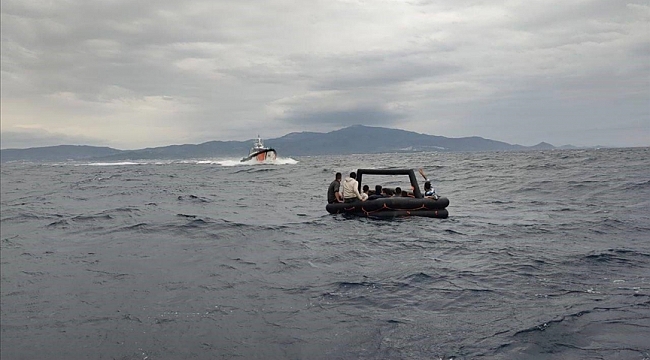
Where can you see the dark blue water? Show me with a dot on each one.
(545, 255)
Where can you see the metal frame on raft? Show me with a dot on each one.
(414, 181)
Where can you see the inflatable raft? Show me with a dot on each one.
(395, 206)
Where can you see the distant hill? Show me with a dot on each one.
(542, 146)
(57, 153)
(357, 139)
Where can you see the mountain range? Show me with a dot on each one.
(356, 139)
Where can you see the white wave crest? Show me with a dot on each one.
(221, 162)
(277, 161)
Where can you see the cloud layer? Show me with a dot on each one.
(136, 74)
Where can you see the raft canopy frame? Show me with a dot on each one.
(411, 174)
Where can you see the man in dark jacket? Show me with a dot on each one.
(333, 194)
(379, 193)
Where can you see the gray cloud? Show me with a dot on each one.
(343, 118)
(133, 74)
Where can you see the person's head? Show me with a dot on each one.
(377, 189)
(398, 191)
(338, 176)
(366, 188)
(427, 185)
(384, 191)
(353, 175)
(404, 193)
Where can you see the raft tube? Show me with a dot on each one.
(391, 207)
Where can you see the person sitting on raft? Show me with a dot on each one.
(333, 193)
(351, 189)
(378, 193)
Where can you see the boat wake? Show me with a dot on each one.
(276, 161)
(222, 162)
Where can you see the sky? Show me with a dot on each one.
(134, 74)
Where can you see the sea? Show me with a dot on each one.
(545, 255)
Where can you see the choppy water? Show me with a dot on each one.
(545, 255)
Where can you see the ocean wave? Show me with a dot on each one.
(59, 224)
(635, 186)
(419, 278)
(238, 162)
(253, 246)
(97, 217)
(117, 163)
(623, 257)
(193, 198)
(226, 162)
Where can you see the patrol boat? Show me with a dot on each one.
(259, 152)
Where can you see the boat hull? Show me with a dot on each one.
(392, 207)
(261, 156)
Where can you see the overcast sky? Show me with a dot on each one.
(134, 74)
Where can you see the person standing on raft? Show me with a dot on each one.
(351, 189)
